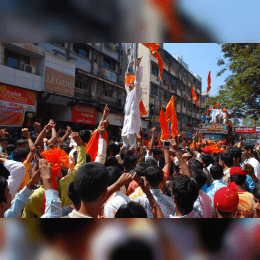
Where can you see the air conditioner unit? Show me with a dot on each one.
(29, 68)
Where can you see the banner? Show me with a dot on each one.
(245, 130)
(17, 98)
(12, 117)
(84, 114)
(258, 140)
(214, 128)
(257, 129)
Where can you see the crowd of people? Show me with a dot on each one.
(86, 175)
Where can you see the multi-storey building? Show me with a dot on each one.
(177, 80)
(65, 82)
(204, 100)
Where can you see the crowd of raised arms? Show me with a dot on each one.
(87, 174)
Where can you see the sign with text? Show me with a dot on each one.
(257, 129)
(246, 130)
(214, 128)
(84, 114)
(10, 116)
(17, 98)
(59, 82)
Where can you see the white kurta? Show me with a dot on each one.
(213, 115)
(132, 121)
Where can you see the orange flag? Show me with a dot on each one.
(154, 47)
(142, 109)
(164, 126)
(168, 12)
(195, 97)
(208, 82)
(171, 113)
(92, 147)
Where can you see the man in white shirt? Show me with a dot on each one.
(132, 121)
(118, 198)
(247, 152)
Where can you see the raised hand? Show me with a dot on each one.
(45, 169)
(106, 111)
(138, 61)
(26, 133)
(76, 137)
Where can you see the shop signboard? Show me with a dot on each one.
(84, 114)
(59, 82)
(258, 140)
(211, 128)
(257, 129)
(189, 134)
(17, 98)
(184, 134)
(245, 130)
(11, 117)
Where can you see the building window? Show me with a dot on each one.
(178, 101)
(174, 81)
(154, 91)
(166, 76)
(155, 71)
(15, 60)
(183, 89)
(81, 49)
(189, 106)
(183, 103)
(107, 63)
(107, 91)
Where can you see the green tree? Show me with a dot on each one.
(241, 93)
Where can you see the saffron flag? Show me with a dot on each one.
(154, 47)
(171, 113)
(92, 147)
(168, 12)
(195, 97)
(142, 109)
(164, 126)
(208, 82)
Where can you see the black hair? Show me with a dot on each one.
(199, 176)
(215, 159)
(216, 171)
(186, 191)
(141, 169)
(5, 139)
(114, 174)
(194, 163)
(229, 148)
(151, 162)
(85, 135)
(238, 179)
(236, 153)
(162, 162)
(114, 148)
(227, 158)
(20, 153)
(72, 194)
(3, 185)
(129, 161)
(71, 232)
(131, 210)
(75, 155)
(132, 247)
(111, 161)
(88, 158)
(256, 190)
(255, 154)
(157, 151)
(248, 147)
(91, 180)
(225, 214)
(4, 172)
(206, 158)
(154, 175)
(20, 142)
(34, 137)
(10, 147)
(168, 188)
(65, 148)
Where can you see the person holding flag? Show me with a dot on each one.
(132, 120)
